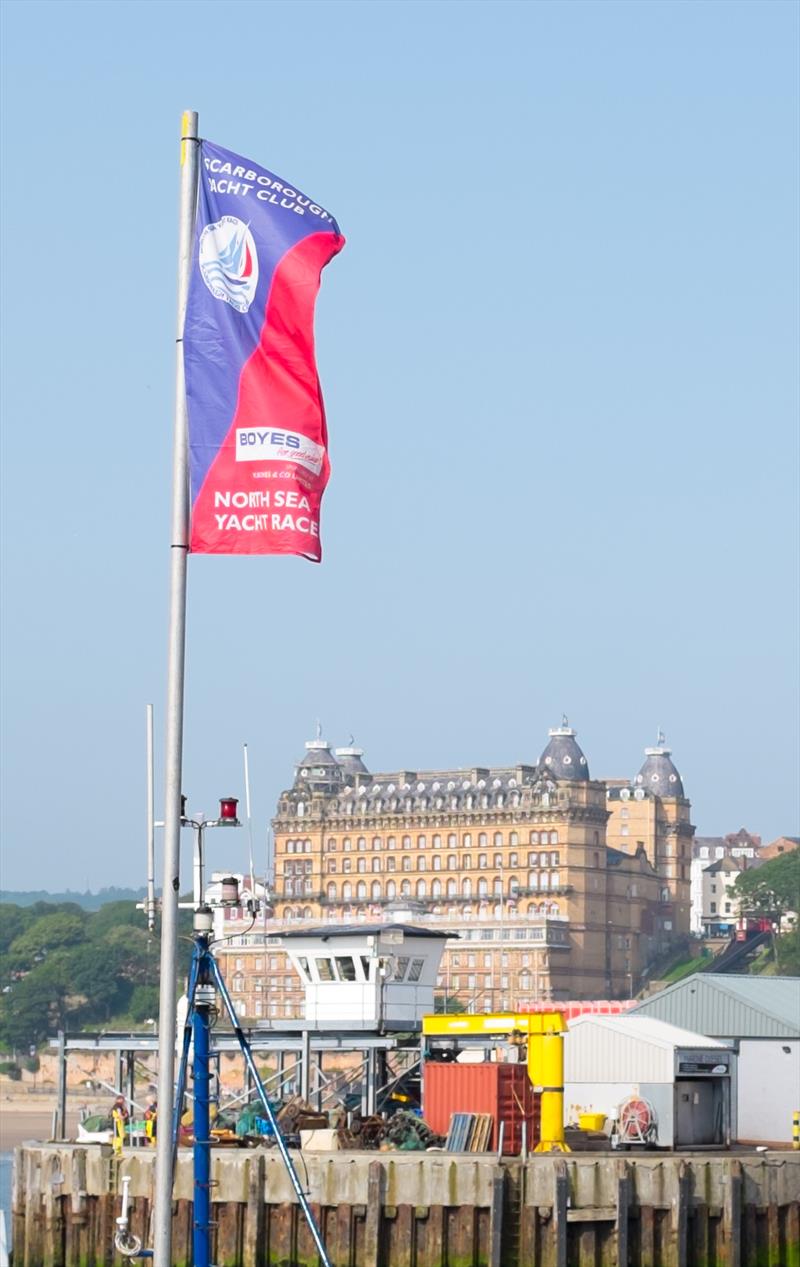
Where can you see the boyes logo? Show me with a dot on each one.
(229, 263)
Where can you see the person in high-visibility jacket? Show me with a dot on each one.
(151, 1122)
(120, 1118)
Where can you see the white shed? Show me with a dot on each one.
(761, 1016)
(366, 976)
(689, 1080)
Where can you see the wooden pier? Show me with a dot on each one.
(424, 1209)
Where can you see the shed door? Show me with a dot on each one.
(699, 1112)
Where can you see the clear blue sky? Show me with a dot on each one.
(559, 354)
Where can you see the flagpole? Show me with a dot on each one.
(173, 742)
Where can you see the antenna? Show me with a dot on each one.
(249, 822)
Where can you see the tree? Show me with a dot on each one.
(45, 935)
(13, 922)
(772, 889)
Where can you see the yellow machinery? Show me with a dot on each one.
(543, 1034)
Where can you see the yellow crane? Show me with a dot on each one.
(543, 1035)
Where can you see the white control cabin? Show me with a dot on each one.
(366, 976)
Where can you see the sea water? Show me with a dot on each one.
(6, 1161)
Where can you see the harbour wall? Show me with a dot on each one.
(423, 1209)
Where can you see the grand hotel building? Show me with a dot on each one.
(554, 885)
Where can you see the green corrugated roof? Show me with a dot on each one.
(725, 1006)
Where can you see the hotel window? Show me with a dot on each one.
(471, 983)
(466, 842)
(487, 961)
(391, 888)
(376, 889)
(347, 844)
(273, 961)
(466, 887)
(544, 881)
(422, 842)
(452, 840)
(513, 860)
(436, 888)
(555, 880)
(347, 864)
(498, 860)
(497, 887)
(376, 864)
(422, 888)
(534, 837)
(331, 845)
(361, 889)
(513, 885)
(483, 887)
(347, 891)
(422, 864)
(391, 843)
(554, 838)
(482, 861)
(498, 839)
(513, 838)
(437, 863)
(331, 864)
(554, 859)
(452, 888)
(406, 842)
(331, 892)
(466, 862)
(405, 888)
(391, 864)
(533, 879)
(437, 842)
(483, 840)
(376, 842)
(533, 859)
(406, 864)
(452, 862)
(362, 844)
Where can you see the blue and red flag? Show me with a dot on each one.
(257, 435)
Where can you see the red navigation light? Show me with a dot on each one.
(227, 810)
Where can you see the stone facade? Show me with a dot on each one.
(543, 900)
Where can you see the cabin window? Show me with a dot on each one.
(416, 969)
(346, 967)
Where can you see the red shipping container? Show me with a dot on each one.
(503, 1090)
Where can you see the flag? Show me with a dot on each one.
(258, 442)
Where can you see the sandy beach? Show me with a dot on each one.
(26, 1117)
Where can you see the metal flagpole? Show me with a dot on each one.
(173, 745)
(151, 828)
(249, 823)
